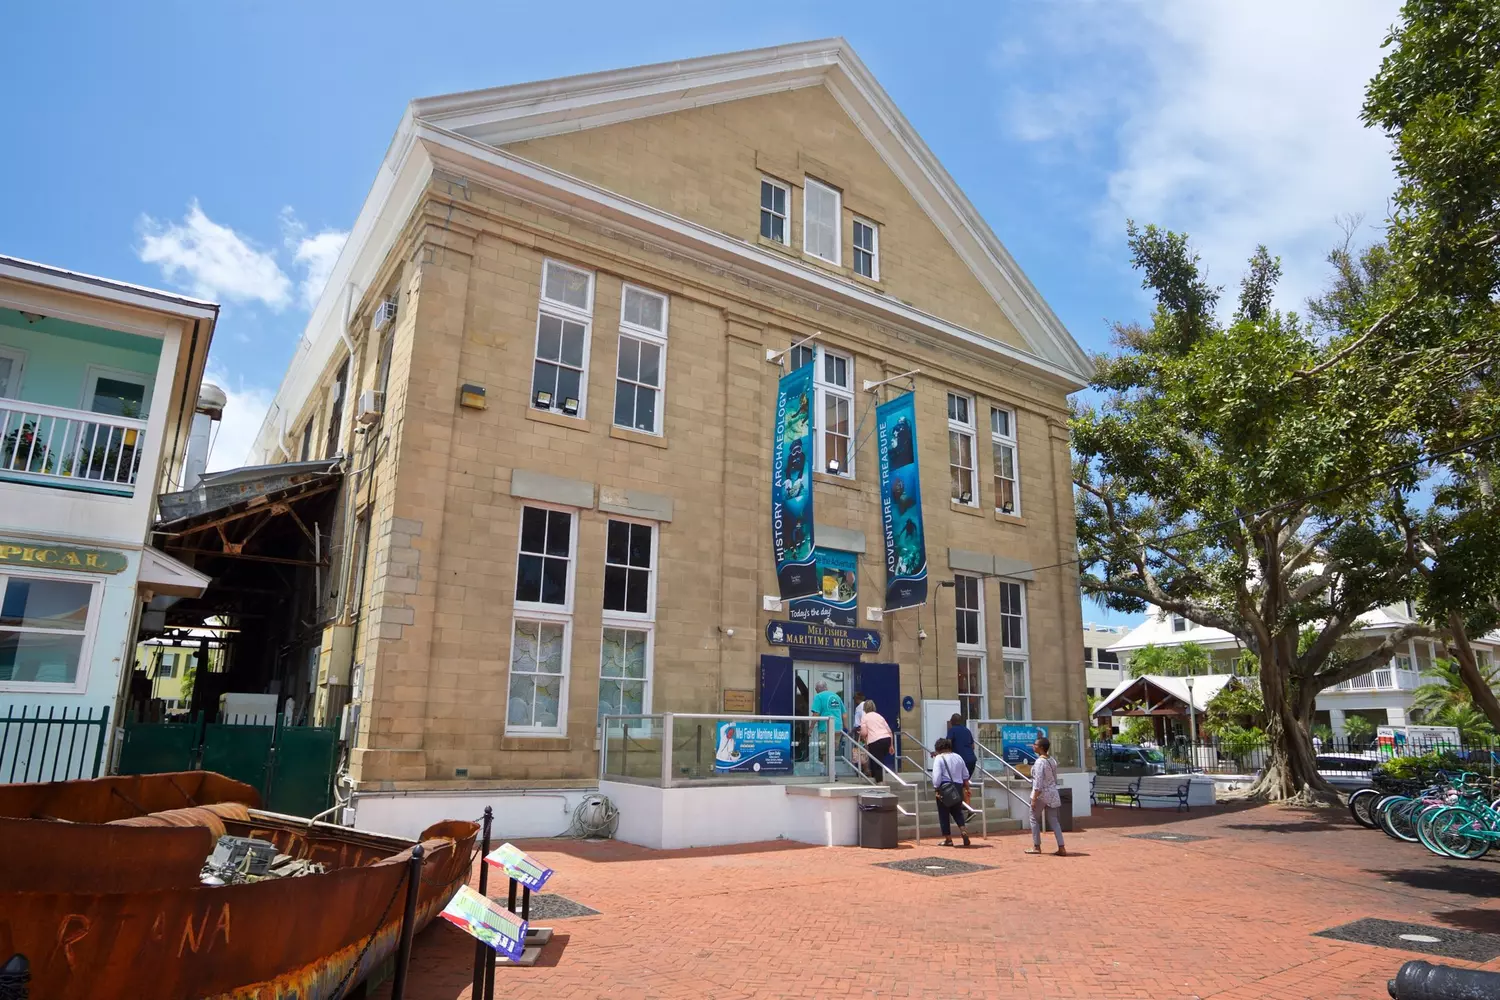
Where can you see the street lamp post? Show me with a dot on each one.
(1192, 713)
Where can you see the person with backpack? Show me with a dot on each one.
(950, 783)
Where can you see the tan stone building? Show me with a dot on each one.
(549, 354)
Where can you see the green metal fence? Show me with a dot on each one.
(55, 746)
(291, 766)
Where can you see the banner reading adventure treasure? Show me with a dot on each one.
(792, 487)
(838, 574)
(901, 504)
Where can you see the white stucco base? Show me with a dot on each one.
(717, 815)
(519, 813)
(1020, 809)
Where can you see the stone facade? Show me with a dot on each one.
(443, 485)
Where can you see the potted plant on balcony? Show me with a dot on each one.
(20, 451)
(113, 456)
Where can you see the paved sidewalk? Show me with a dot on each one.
(1231, 917)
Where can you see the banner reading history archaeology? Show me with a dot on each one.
(901, 504)
(838, 574)
(792, 487)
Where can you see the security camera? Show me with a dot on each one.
(921, 635)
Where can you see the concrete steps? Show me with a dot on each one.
(996, 816)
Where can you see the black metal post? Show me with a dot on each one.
(408, 922)
(526, 903)
(1425, 981)
(484, 879)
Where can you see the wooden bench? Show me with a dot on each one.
(1159, 786)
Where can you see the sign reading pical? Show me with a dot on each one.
(764, 747)
(828, 638)
(44, 556)
(901, 504)
(835, 604)
(488, 921)
(519, 865)
(792, 487)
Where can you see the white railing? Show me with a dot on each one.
(53, 444)
(1384, 679)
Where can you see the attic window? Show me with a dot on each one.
(820, 221)
(1179, 623)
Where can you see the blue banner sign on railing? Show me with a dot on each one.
(901, 504)
(1016, 743)
(488, 921)
(747, 745)
(519, 865)
(792, 487)
(812, 636)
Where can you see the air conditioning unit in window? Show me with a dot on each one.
(371, 406)
(385, 313)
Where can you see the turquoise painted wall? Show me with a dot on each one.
(58, 354)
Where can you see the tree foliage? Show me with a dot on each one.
(1170, 661)
(1237, 706)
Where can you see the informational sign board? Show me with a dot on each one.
(488, 921)
(739, 702)
(1016, 743)
(519, 865)
(814, 637)
(764, 747)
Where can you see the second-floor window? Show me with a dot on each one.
(1003, 443)
(961, 449)
(866, 250)
(559, 380)
(820, 221)
(640, 372)
(775, 211)
(833, 409)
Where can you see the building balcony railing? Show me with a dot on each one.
(1384, 679)
(73, 449)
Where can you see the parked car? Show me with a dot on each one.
(1128, 760)
(1348, 772)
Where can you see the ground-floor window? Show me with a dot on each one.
(45, 624)
(624, 671)
(971, 701)
(538, 677)
(1017, 690)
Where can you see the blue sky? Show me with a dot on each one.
(224, 148)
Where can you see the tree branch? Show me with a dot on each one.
(1376, 657)
(1358, 342)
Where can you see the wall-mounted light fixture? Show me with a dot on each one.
(472, 396)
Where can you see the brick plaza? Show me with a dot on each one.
(1231, 916)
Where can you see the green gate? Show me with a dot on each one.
(302, 770)
(291, 766)
(150, 748)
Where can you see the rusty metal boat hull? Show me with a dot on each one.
(149, 930)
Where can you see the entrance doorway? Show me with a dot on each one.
(807, 675)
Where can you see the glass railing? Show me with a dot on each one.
(1013, 741)
(716, 748)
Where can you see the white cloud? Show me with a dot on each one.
(1236, 123)
(243, 413)
(213, 261)
(316, 254)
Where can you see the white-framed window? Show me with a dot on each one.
(1017, 688)
(559, 379)
(821, 209)
(1012, 615)
(972, 702)
(117, 392)
(46, 630)
(628, 644)
(12, 367)
(968, 611)
(544, 561)
(1108, 660)
(538, 696)
(866, 249)
(775, 211)
(963, 488)
(1179, 623)
(640, 371)
(833, 409)
(1003, 443)
(168, 665)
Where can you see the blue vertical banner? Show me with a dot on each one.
(838, 575)
(901, 504)
(792, 487)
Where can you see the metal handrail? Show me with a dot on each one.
(984, 818)
(916, 790)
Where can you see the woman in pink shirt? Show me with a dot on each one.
(875, 734)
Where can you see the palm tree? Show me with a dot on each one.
(1446, 691)
(1473, 728)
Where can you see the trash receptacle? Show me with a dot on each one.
(877, 820)
(1065, 813)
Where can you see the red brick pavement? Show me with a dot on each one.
(1229, 918)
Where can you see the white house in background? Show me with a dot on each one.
(1383, 696)
(99, 384)
(1102, 669)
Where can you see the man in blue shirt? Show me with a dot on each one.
(829, 705)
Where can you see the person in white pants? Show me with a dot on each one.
(1046, 801)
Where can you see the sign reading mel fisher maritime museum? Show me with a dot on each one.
(827, 638)
(764, 747)
(792, 487)
(901, 504)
